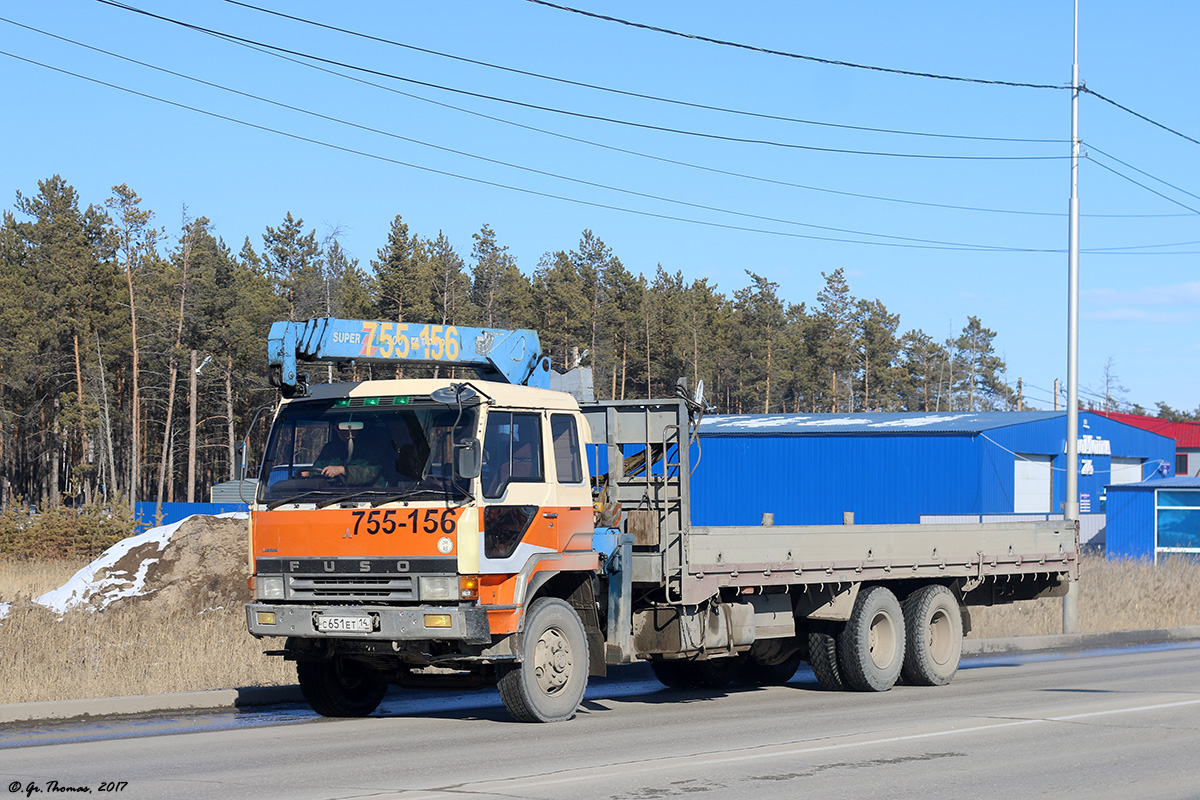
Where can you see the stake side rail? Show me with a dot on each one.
(730, 556)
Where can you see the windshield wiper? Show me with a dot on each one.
(296, 498)
(411, 493)
(350, 496)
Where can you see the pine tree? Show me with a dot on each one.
(294, 262)
(563, 308)
(137, 252)
(922, 359)
(761, 342)
(404, 278)
(877, 352)
(978, 381)
(831, 342)
(450, 284)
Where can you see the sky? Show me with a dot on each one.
(941, 198)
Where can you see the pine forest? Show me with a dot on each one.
(133, 357)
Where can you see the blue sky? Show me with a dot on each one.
(1140, 289)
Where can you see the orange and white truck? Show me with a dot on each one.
(476, 530)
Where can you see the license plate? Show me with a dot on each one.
(336, 624)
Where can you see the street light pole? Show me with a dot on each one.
(1070, 611)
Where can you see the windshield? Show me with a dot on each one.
(374, 450)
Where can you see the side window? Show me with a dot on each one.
(566, 448)
(512, 451)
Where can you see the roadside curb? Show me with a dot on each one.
(253, 696)
(1028, 644)
(207, 700)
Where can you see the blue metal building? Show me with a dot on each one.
(808, 469)
(1154, 518)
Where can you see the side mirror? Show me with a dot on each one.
(468, 458)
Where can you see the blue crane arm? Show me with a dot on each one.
(508, 356)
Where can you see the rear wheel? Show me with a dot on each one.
(340, 687)
(710, 673)
(822, 655)
(548, 685)
(871, 646)
(934, 622)
(773, 662)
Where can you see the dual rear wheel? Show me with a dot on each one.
(883, 640)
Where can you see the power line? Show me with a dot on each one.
(1128, 110)
(578, 114)
(509, 187)
(499, 162)
(832, 62)
(901, 242)
(663, 159)
(1119, 174)
(785, 54)
(639, 95)
(1141, 171)
(916, 241)
(639, 154)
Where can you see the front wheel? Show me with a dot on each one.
(548, 685)
(340, 687)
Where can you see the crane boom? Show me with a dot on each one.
(508, 356)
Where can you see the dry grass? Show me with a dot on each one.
(133, 647)
(34, 578)
(1113, 596)
(138, 647)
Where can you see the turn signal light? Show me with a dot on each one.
(468, 587)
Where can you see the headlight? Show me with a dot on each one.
(270, 587)
(439, 588)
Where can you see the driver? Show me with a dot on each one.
(346, 456)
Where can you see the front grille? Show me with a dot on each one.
(347, 587)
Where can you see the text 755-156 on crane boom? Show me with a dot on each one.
(430, 531)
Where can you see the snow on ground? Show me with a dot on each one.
(115, 575)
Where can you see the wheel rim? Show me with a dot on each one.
(940, 637)
(552, 661)
(883, 640)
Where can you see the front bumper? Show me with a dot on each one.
(468, 625)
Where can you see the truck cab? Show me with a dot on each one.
(415, 519)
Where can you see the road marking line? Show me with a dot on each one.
(775, 751)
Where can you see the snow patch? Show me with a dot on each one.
(107, 580)
(780, 421)
(919, 422)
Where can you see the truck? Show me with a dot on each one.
(477, 528)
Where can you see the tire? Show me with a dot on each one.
(687, 674)
(871, 646)
(773, 671)
(935, 635)
(340, 687)
(548, 685)
(823, 657)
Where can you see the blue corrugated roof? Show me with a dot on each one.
(943, 422)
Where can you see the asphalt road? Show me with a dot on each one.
(1096, 724)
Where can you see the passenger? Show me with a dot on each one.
(410, 447)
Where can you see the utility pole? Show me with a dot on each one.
(1070, 611)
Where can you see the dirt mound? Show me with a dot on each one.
(193, 565)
